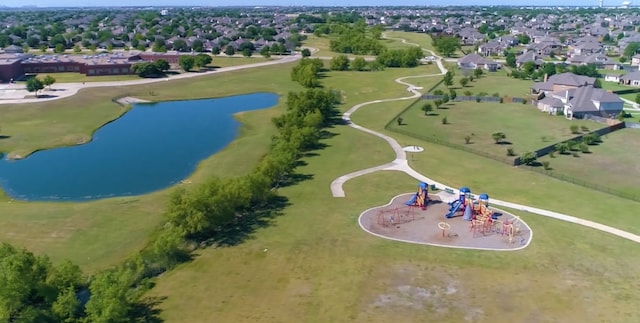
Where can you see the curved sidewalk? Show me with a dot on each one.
(401, 164)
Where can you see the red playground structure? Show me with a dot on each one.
(421, 198)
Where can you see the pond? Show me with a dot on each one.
(151, 147)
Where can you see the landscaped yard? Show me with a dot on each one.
(490, 83)
(526, 128)
(613, 163)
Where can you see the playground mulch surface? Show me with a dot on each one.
(414, 225)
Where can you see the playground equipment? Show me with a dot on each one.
(444, 226)
(460, 204)
(421, 198)
(398, 215)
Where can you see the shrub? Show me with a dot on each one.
(510, 152)
(444, 120)
(552, 154)
(467, 139)
(400, 121)
(438, 92)
(575, 154)
(546, 164)
(584, 128)
(501, 100)
(478, 99)
(584, 148)
(495, 95)
(524, 101)
(528, 158)
(562, 148)
(574, 129)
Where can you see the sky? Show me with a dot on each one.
(85, 3)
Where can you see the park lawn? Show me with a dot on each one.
(458, 168)
(91, 233)
(319, 266)
(613, 163)
(422, 39)
(526, 128)
(227, 61)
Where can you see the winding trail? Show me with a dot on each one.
(401, 164)
(63, 90)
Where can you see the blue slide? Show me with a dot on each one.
(412, 201)
(453, 209)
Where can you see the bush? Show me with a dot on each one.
(510, 152)
(400, 121)
(546, 164)
(501, 100)
(528, 158)
(467, 139)
(574, 129)
(575, 154)
(524, 101)
(438, 92)
(552, 154)
(584, 148)
(444, 120)
(584, 128)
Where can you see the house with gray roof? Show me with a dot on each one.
(575, 96)
(473, 61)
(630, 79)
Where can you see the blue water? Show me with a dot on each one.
(151, 147)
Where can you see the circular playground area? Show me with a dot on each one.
(404, 219)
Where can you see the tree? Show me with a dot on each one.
(108, 301)
(34, 85)
(197, 46)
(498, 137)
(358, 64)
(215, 50)
(437, 103)
(448, 79)
(400, 121)
(477, 72)
(265, 52)
(523, 39)
(529, 68)
(464, 81)
(48, 81)
(446, 45)
(574, 128)
(546, 164)
(427, 108)
(453, 95)
(186, 62)
(631, 49)
(511, 60)
(202, 60)
(562, 148)
(246, 52)
(528, 158)
(76, 49)
(339, 63)
(180, 45)
(305, 52)
(230, 51)
(162, 65)
(637, 100)
(444, 120)
(445, 98)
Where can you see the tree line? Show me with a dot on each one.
(220, 211)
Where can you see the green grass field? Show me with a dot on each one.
(527, 129)
(490, 83)
(612, 163)
(320, 267)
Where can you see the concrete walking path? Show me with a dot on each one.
(63, 90)
(401, 164)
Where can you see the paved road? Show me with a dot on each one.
(401, 164)
(63, 90)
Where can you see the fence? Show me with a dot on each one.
(600, 132)
(515, 161)
(475, 98)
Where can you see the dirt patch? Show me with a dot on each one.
(397, 221)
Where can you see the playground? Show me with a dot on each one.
(447, 219)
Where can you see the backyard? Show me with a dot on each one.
(613, 163)
(526, 128)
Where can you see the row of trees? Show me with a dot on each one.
(307, 72)
(219, 211)
(35, 84)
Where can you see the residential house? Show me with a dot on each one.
(529, 56)
(490, 49)
(575, 96)
(473, 61)
(601, 61)
(635, 60)
(631, 79)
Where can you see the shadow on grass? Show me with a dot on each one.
(504, 143)
(146, 310)
(260, 216)
(4, 137)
